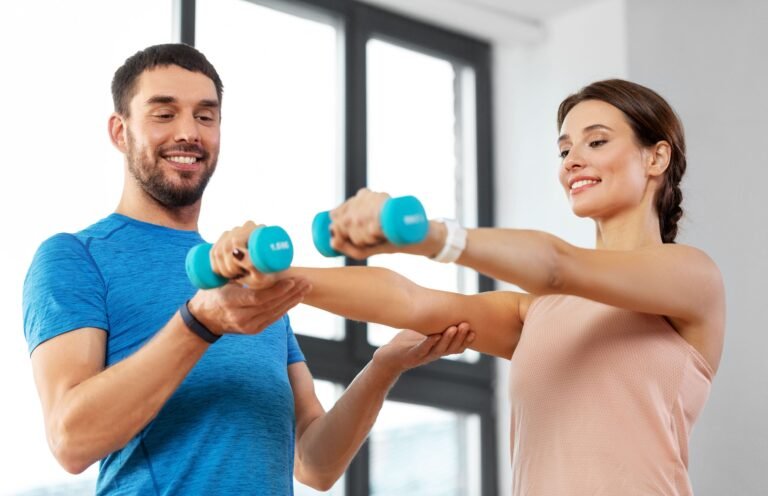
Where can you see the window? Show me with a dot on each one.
(433, 452)
(281, 159)
(414, 139)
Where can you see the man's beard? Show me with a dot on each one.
(152, 178)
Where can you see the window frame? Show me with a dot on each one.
(454, 385)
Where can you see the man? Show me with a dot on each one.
(177, 391)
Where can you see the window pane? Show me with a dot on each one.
(327, 392)
(432, 452)
(280, 159)
(62, 174)
(420, 125)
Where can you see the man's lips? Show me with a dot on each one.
(183, 162)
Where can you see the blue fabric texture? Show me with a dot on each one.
(229, 427)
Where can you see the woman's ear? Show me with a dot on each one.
(659, 156)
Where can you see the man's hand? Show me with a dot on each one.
(409, 349)
(232, 309)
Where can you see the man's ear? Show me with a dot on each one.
(658, 159)
(117, 131)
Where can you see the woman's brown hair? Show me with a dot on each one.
(652, 120)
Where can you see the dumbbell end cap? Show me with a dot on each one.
(198, 266)
(321, 234)
(404, 221)
(270, 249)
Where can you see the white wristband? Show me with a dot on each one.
(455, 242)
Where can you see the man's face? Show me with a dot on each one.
(173, 134)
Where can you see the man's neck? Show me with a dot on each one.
(147, 209)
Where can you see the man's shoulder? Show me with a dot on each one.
(65, 246)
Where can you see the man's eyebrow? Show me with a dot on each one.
(165, 99)
(160, 99)
(587, 129)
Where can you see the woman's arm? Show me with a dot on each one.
(678, 282)
(672, 280)
(382, 296)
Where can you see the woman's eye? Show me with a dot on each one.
(596, 143)
(563, 153)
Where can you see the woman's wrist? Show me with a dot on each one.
(432, 243)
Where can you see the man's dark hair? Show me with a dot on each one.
(184, 56)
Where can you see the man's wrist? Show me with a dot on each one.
(195, 325)
(388, 372)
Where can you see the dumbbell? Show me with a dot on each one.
(269, 247)
(403, 221)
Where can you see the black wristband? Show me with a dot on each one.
(195, 325)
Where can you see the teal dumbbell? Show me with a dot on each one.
(403, 221)
(269, 247)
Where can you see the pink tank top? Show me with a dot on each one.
(603, 400)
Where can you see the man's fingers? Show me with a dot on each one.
(459, 342)
(445, 341)
(269, 296)
(267, 317)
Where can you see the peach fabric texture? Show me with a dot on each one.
(603, 401)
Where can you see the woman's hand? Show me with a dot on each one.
(230, 259)
(356, 227)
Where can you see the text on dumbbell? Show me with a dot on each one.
(280, 245)
(413, 219)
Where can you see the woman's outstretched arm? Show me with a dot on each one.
(382, 296)
(675, 281)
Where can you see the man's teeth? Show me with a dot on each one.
(182, 160)
(583, 182)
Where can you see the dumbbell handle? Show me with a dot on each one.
(403, 222)
(269, 247)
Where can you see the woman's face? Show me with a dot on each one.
(603, 170)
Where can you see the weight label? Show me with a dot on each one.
(280, 245)
(413, 219)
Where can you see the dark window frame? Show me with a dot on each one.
(459, 386)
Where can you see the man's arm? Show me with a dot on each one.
(90, 411)
(327, 442)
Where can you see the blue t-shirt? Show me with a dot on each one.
(229, 427)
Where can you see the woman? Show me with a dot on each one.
(612, 349)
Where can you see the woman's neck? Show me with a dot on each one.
(628, 231)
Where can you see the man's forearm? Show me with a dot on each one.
(332, 440)
(101, 414)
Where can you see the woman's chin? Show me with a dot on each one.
(581, 211)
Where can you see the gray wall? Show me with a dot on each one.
(709, 59)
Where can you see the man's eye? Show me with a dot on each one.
(163, 116)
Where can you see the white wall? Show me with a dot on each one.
(530, 80)
(709, 59)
